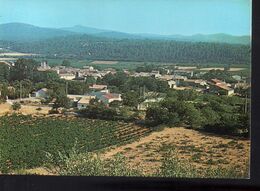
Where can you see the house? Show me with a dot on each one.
(44, 66)
(165, 77)
(109, 97)
(179, 79)
(168, 79)
(187, 73)
(96, 87)
(172, 84)
(42, 93)
(220, 87)
(155, 74)
(198, 83)
(147, 103)
(84, 102)
(67, 76)
(106, 97)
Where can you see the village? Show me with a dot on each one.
(178, 78)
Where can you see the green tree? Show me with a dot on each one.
(23, 69)
(66, 63)
(130, 98)
(61, 100)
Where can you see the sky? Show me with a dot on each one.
(165, 17)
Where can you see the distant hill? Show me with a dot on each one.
(90, 47)
(84, 30)
(26, 32)
(101, 32)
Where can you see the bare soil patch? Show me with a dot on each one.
(203, 150)
(25, 109)
(30, 110)
(5, 108)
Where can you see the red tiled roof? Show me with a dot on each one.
(111, 96)
(216, 81)
(223, 86)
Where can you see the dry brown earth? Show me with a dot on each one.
(203, 150)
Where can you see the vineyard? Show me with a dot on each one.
(25, 140)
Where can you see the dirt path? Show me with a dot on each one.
(203, 150)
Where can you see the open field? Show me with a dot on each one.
(104, 62)
(8, 59)
(25, 109)
(221, 68)
(17, 54)
(201, 149)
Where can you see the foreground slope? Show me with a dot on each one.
(201, 149)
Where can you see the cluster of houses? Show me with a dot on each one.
(99, 92)
(180, 78)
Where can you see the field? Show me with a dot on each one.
(25, 140)
(200, 150)
(104, 62)
(25, 109)
(17, 54)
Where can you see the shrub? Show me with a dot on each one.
(173, 167)
(90, 164)
(16, 106)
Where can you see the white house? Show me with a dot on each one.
(42, 93)
(148, 102)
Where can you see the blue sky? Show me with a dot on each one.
(166, 17)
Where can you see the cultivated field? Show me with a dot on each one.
(25, 140)
(33, 137)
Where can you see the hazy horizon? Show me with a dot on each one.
(162, 17)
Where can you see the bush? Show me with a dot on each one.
(39, 109)
(16, 106)
(173, 167)
(90, 164)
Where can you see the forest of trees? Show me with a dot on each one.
(87, 47)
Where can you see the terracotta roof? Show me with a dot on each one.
(216, 81)
(111, 96)
(223, 86)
